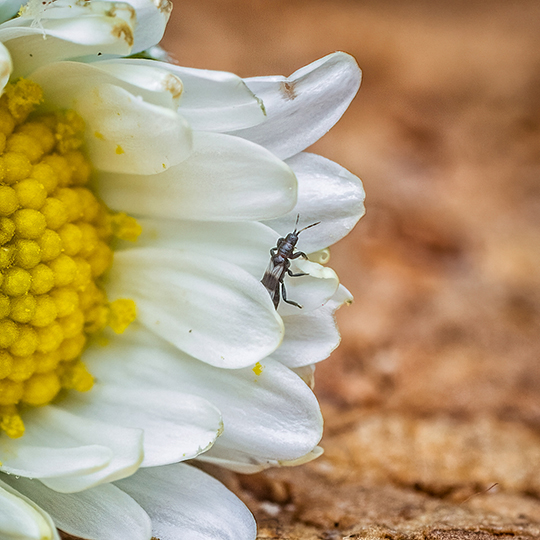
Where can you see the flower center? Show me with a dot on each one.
(54, 245)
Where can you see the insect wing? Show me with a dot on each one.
(272, 279)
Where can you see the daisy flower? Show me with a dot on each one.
(138, 204)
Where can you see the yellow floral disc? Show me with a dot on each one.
(55, 239)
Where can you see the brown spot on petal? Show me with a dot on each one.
(174, 85)
(165, 6)
(122, 30)
(114, 11)
(288, 89)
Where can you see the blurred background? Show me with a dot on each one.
(432, 401)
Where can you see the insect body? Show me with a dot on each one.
(280, 263)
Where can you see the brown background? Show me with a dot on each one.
(432, 402)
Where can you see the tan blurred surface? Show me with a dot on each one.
(432, 402)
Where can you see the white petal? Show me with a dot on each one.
(128, 135)
(65, 82)
(307, 374)
(217, 100)
(243, 464)
(129, 128)
(225, 178)
(125, 133)
(9, 8)
(94, 514)
(212, 100)
(246, 244)
(22, 519)
(185, 503)
(311, 337)
(69, 453)
(303, 107)
(43, 461)
(269, 417)
(327, 193)
(311, 291)
(6, 67)
(177, 426)
(80, 23)
(70, 30)
(317, 452)
(260, 440)
(49, 448)
(152, 17)
(269, 414)
(322, 256)
(208, 308)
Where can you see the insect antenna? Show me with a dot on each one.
(296, 225)
(308, 227)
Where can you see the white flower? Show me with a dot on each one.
(212, 167)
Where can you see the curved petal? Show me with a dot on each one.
(63, 82)
(152, 16)
(6, 67)
(284, 421)
(307, 374)
(177, 426)
(97, 513)
(303, 107)
(269, 413)
(212, 100)
(69, 453)
(49, 462)
(246, 244)
(128, 135)
(317, 452)
(49, 449)
(217, 100)
(22, 519)
(327, 193)
(311, 291)
(311, 337)
(9, 8)
(130, 128)
(208, 308)
(71, 30)
(186, 503)
(225, 178)
(245, 464)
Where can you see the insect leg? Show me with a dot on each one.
(284, 296)
(298, 254)
(297, 275)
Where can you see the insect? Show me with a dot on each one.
(280, 263)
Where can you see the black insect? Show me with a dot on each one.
(280, 263)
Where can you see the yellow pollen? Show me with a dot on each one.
(125, 227)
(54, 248)
(11, 422)
(123, 312)
(258, 368)
(21, 99)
